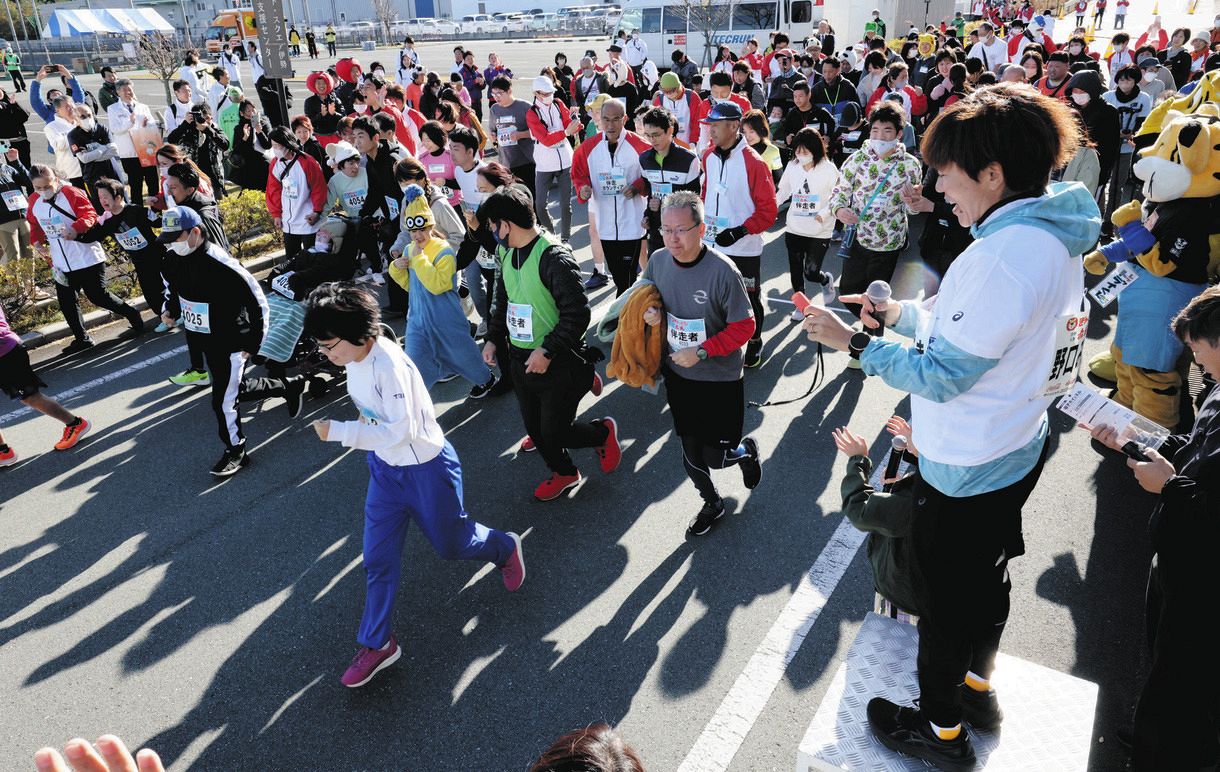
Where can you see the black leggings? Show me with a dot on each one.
(148, 271)
(294, 244)
(699, 458)
(805, 256)
(622, 258)
(864, 267)
(549, 402)
(751, 272)
(89, 281)
(140, 178)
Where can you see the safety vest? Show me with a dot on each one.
(531, 312)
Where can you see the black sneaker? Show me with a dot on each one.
(230, 463)
(132, 332)
(751, 469)
(753, 353)
(905, 730)
(980, 709)
(294, 390)
(478, 392)
(702, 522)
(77, 346)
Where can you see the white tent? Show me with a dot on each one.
(120, 21)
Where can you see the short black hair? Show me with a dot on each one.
(800, 85)
(660, 118)
(180, 83)
(720, 78)
(1200, 319)
(501, 83)
(811, 139)
(218, 72)
(464, 137)
(107, 69)
(377, 81)
(887, 112)
(185, 174)
(435, 133)
(511, 203)
(385, 123)
(343, 310)
(111, 186)
(363, 123)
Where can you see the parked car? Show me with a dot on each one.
(363, 30)
(509, 22)
(544, 21)
(478, 23)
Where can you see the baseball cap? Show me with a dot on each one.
(544, 84)
(723, 111)
(615, 48)
(1149, 61)
(176, 221)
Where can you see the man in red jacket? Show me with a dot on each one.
(735, 222)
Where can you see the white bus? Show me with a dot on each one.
(664, 25)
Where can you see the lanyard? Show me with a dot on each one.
(877, 192)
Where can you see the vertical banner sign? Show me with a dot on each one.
(273, 38)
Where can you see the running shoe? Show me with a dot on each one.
(293, 392)
(753, 353)
(513, 570)
(369, 662)
(556, 485)
(797, 316)
(72, 433)
(906, 730)
(230, 463)
(478, 392)
(980, 709)
(78, 345)
(132, 332)
(8, 457)
(596, 281)
(751, 469)
(610, 452)
(596, 388)
(527, 445)
(702, 522)
(163, 327)
(830, 293)
(191, 378)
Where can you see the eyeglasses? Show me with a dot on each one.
(677, 231)
(328, 347)
(651, 135)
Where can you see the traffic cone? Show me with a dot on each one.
(1194, 7)
(1088, 34)
(1156, 8)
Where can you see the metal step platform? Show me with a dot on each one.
(1048, 715)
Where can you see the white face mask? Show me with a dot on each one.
(278, 152)
(360, 109)
(804, 159)
(181, 247)
(546, 101)
(882, 146)
(88, 124)
(1081, 98)
(1149, 76)
(379, 72)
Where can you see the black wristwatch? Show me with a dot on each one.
(858, 342)
(701, 352)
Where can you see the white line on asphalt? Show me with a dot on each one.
(100, 381)
(741, 707)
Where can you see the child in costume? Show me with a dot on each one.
(414, 473)
(438, 332)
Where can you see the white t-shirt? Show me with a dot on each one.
(1001, 299)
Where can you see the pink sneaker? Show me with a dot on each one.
(513, 570)
(527, 445)
(370, 662)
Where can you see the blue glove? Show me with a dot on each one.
(1133, 240)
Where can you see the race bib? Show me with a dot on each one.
(714, 225)
(56, 226)
(15, 200)
(436, 170)
(132, 240)
(354, 199)
(280, 285)
(804, 204)
(521, 322)
(195, 316)
(1070, 331)
(851, 136)
(613, 182)
(1108, 290)
(392, 204)
(685, 333)
(506, 130)
(486, 260)
(292, 191)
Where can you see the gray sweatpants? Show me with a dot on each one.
(543, 182)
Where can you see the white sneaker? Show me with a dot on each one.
(797, 316)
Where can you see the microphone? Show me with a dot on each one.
(898, 446)
(879, 293)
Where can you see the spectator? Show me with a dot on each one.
(126, 115)
(193, 73)
(57, 132)
(230, 61)
(98, 156)
(473, 82)
(108, 94)
(41, 103)
(683, 67)
(1100, 119)
(745, 85)
(179, 108)
(251, 146)
(13, 118)
(205, 143)
(12, 65)
(1150, 82)
(1133, 107)
(311, 41)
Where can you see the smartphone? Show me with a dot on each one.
(1133, 450)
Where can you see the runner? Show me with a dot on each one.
(414, 473)
(708, 320)
(540, 306)
(19, 381)
(667, 167)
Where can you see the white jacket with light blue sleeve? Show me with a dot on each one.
(985, 345)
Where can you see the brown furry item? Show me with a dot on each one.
(635, 358)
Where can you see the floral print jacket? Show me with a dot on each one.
(884, 226)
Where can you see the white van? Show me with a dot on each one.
(478, 23)
(664, 26)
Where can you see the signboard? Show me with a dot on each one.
(273, 38)
(680, 40)
(1108, 290)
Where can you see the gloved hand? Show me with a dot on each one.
(730, 236)
(1096, 263)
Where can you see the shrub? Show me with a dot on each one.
(245, 217)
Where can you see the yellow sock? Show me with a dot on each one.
(946, 734)
(977, 683)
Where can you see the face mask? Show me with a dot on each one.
(546, 100)
(804, 159)
(182, 248)
(1081, 97)
(1149, 77)
(636, 35)
(1121, 47)
(379, 72)
(900, 85)
(1074, 50)
(882, 146)
(501, 240)
(278, 152)
(88, 124)
(360, 109)
(1030, 72)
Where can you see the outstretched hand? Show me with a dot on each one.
(108, 754)
(849, 444)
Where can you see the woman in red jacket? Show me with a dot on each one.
(897, 80)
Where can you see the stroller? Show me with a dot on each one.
(286, 347)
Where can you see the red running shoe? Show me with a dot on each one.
(370, 662)
(8, 457)
(72, 434)
(597, 384)
(527, 445)
(556, 485)
(610, 453)
(513, 570)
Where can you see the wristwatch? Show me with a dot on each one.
(857, 344)
(701, 352)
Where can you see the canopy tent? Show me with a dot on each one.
(119, 21)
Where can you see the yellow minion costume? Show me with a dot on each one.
(1170, 242)
(438, 333)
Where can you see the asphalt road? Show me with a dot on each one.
(212, 621)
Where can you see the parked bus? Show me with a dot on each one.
(664, 26)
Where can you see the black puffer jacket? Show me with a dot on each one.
(1100, 119)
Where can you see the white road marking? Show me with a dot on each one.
(741, 707)
(100, 381)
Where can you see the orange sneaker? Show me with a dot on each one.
(8, 457)
(72, 434)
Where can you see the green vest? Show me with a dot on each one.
(12, 60)
(531, 312)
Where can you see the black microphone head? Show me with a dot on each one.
(898, 444)
(879, 292)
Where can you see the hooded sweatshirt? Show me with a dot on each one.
(1100, 119)
(987, 344)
